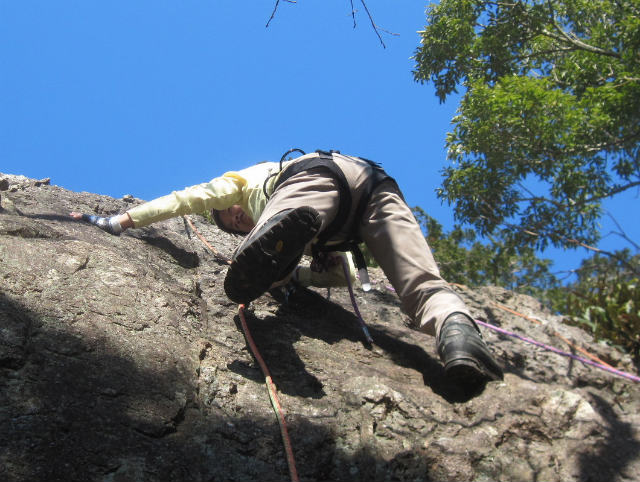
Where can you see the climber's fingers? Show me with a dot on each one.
(111, 225)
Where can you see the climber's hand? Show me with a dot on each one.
(282, 292)
(111, 224)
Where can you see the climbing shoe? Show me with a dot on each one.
(466, 358)
(270, 253)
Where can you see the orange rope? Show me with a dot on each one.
(568, 342)
(215, 252)
(513, 312)
(272, 396)
(271, 387)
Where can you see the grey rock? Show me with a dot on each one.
(121, 360)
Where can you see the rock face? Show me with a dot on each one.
(121, 359)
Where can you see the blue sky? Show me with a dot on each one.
(143, 97)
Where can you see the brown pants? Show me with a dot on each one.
(389, 230)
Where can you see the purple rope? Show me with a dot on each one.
(560, 352)
(363, 325)
(619, 373)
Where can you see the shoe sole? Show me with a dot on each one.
(467, 359)
(264, 260)
(469, 371)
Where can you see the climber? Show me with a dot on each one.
(321, 202)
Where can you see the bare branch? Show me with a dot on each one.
(568, 241)
(560, 205)
(388, 32)
(273, 14)
(373, 24)
(353, 14)
(535, 198)
(376, 29)
(622, 233)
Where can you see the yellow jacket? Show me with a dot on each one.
(245, 188)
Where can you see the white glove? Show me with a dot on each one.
(110, 225)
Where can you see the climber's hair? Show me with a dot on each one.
(215, 215)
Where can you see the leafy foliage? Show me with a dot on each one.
(463, 259)
(606, 300)
(549, 124)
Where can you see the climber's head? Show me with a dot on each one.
(233, 220)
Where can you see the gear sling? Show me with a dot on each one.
(325, 161)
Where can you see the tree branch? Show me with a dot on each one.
(373, 24)
(535, 54)
(622, 233)
(376, 29)
(613, 192)
(273, 14)
(535, 198)
(577, 43)
(353, 13)
(560, 205)
(573, 39)
(569, 241)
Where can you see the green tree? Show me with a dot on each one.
(549, 123)
(605, 298)
(463, 259)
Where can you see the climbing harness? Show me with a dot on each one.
(325, 161)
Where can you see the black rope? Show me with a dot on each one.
(290, 151)
(282, 159)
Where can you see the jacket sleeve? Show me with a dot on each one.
(333, 277)
(220, 193)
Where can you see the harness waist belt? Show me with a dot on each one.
(325, 161)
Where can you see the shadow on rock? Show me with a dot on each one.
(309, 314)
(186, 259)
(275, 340)
(608, 459)
(77, 409)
